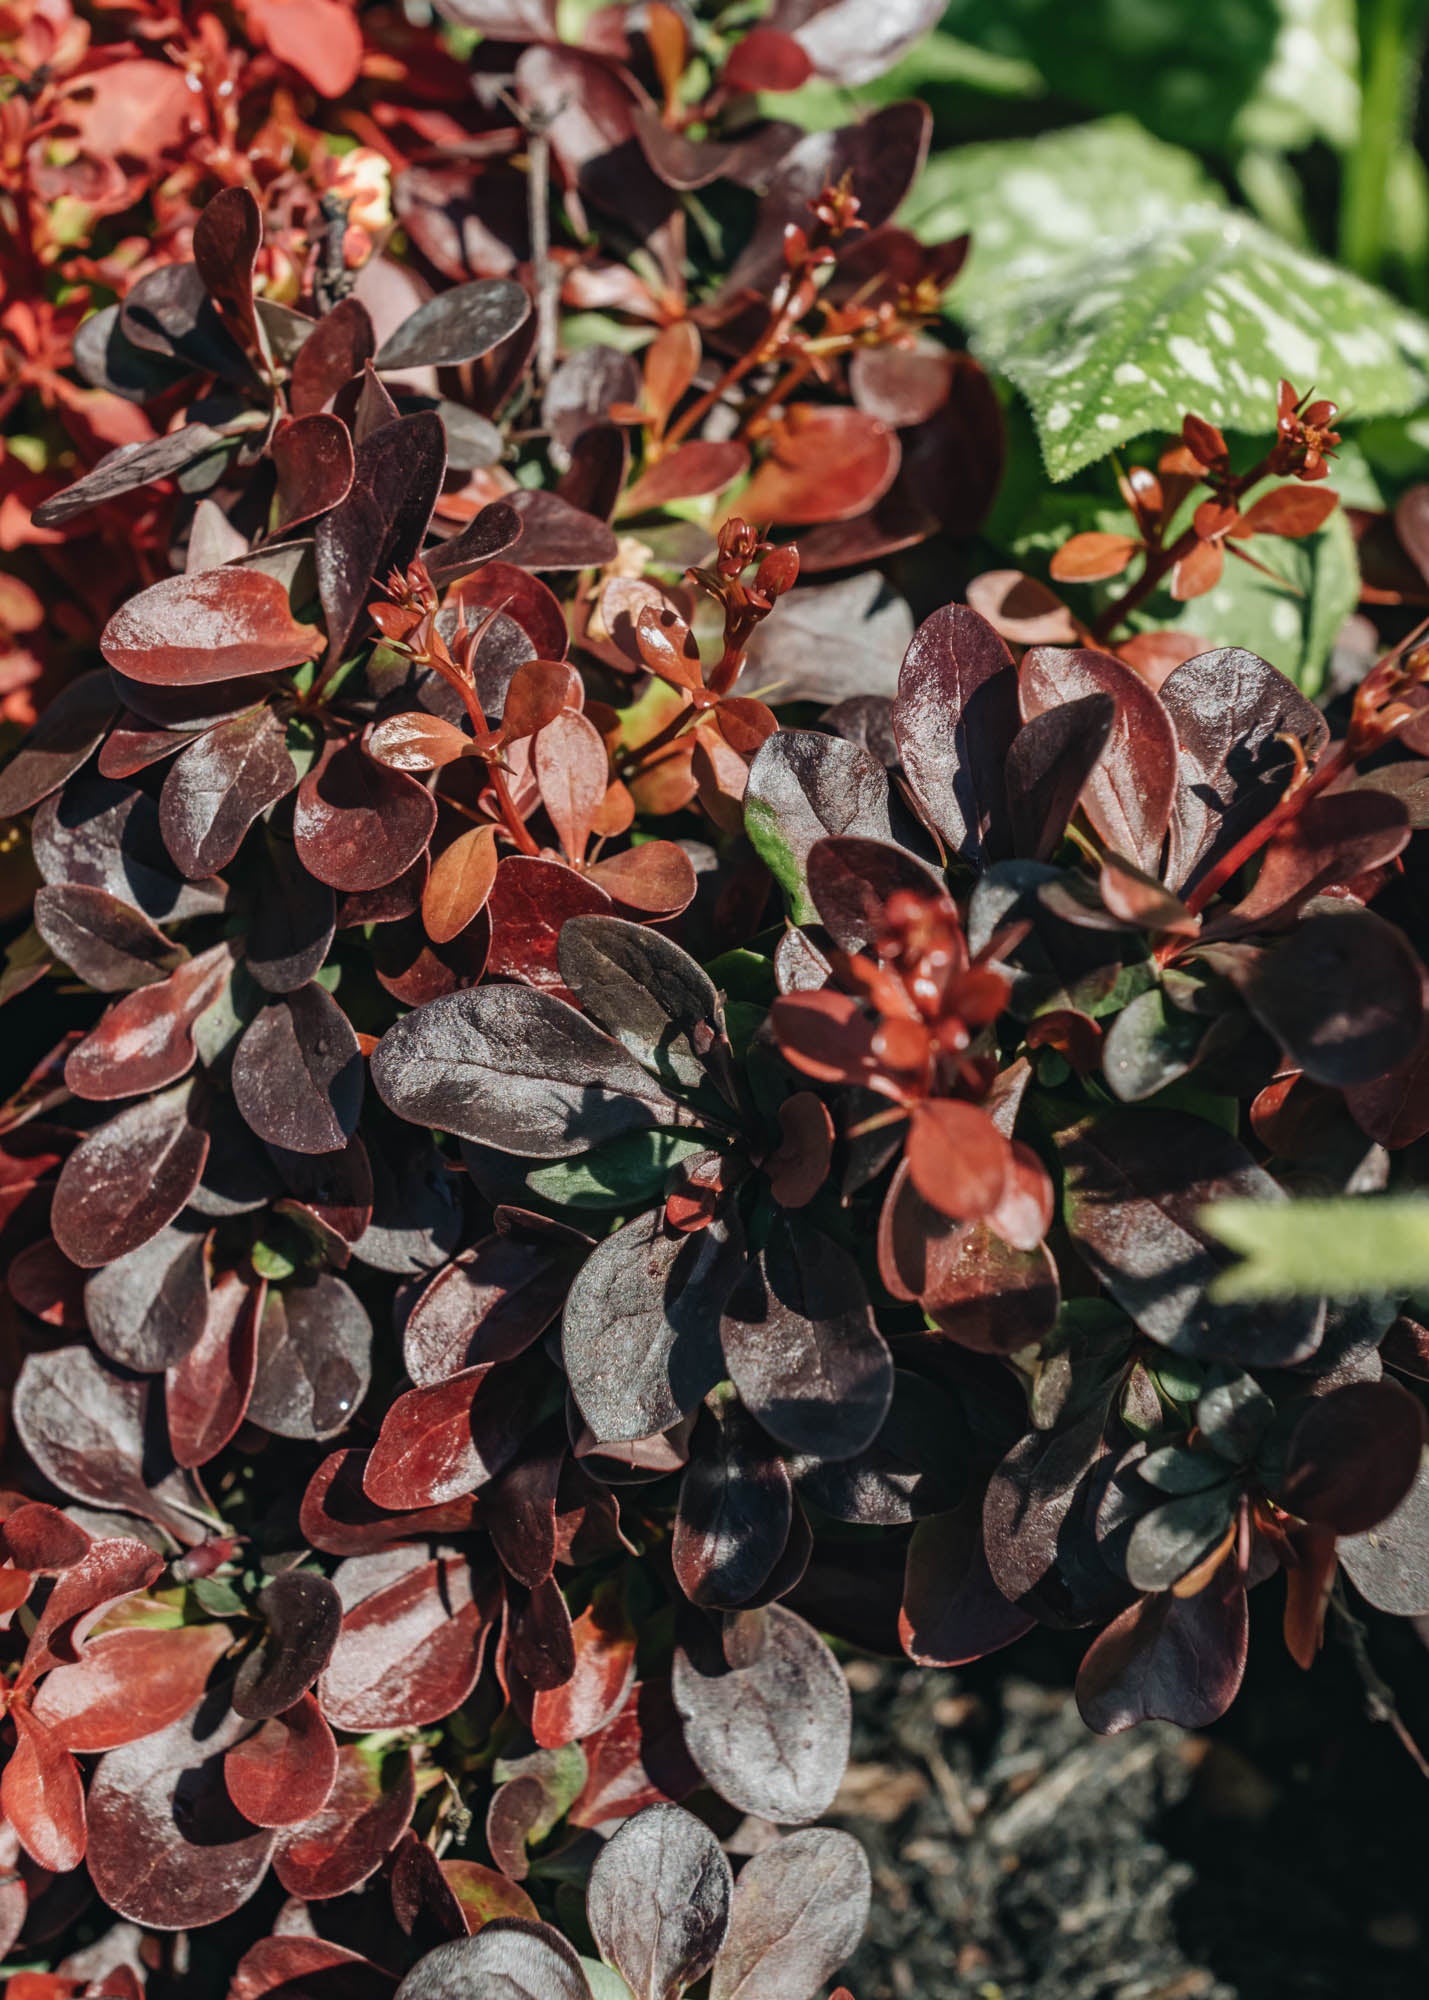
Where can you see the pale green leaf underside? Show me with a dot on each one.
(1354, 1247)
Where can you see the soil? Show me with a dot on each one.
(1276, 1856)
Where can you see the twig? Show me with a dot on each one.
(1380, 1703)
(536, 123)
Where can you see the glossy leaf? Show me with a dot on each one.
(301, 1613)
(218, 625)
(167, 1847)
(955, 717)
(284, 1773)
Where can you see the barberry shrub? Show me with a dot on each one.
(668, 993)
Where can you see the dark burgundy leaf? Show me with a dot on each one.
(402, 465)
(218, 625)
(336, 350)
(129, 1683)
(882, 156)
(799, 1910)
(285, 1772)
(64, 737)
(1230, 712)
(290, 1966)
(127, 467)
(345, 1841)
(1048, 764)
(531, 900)
(832, 641)
(146, 1310)
(168, 1849)
(952, 1611)
(491, 533)
(601, 1671)
(442, 1441)
(301, 1613)
(226, 240)
(291, 928)
(102, 835)
(801, 1345)
(207, 1392)
(803, 786)
(583, 389)
(145, 1042)
(297, 1073)
(337, 1517)
(641, 1335)
(658, 1901)
(1332, 840)
(408, 1653)
(735, 1510)
(528, 604)
(704, 465)
(955, 718)
(646, 991)
(1353, 1457)
(489, 1306)
(1134, 1185)
(314, 1359)
(312, 457)
(1129, 794)
(112, 946)
(129, 1177)
(1177, 1658)
(555, 535)
(1387, 1565)
(1343, 995)
(45, 1283)
(459, 324)
(772, 1733)
(359, 824)
(516, 1069)
(989, 1296)
(416, 1202)
(851, 879)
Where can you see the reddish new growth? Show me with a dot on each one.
(914, 1024)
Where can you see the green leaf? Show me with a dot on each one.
(1205, 315)
(1114, 292)
(1291, 619)
(1214, 74)
(603, 1983)
(1352, 1247)
(620, 1174)
(1037, 207)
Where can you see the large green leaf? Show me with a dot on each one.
(1354, 1247)
(1204, 314)
(1214, 74)
(1038, 207)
